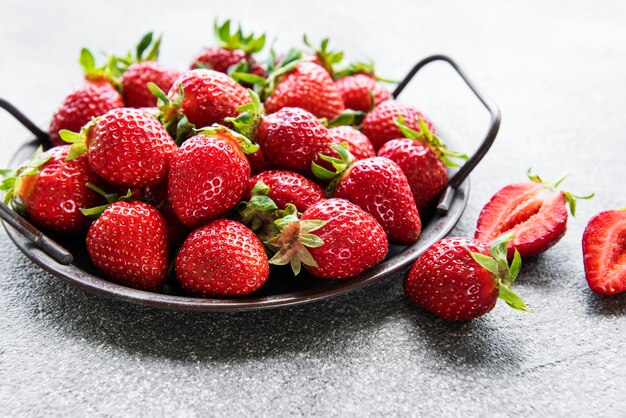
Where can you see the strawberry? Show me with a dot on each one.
(235, 48)
(51, 190)
(258, 163)
(423, 158)
(291, 139)
(461, 279)
(335, 239)
(379, 187)
(358, 144)
(379, 124)
(204, 97)
(535, 212)
(208, 175)
(307, 86)
(136, 78)
(81, 106)
(604, 252)
(128, 244)
(126, 147)
(361, 92)
(222, 259)
(287, 187)
(176, 231)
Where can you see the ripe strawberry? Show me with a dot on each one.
(235, 48)
(126, 147)
(379, 124)
(136, 78)
(176, 231)
(307, 86)
(362, 92)
(379, 187)
(291, 139)
(205, 97)
(222, 259)
(457, 279)
(287, 187)
(604, 251)
(358, 144)
(208, 175)
(535, 212)
(128, 243)
(258, 163)
(335, 239)
(81, 106)
(424, 161)
(52, 190)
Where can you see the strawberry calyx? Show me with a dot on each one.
(96, 211)
(249, 116)
(109, 72)
(216, 129)
(570, 198)
(77, 139)
(341, 166)
(504, 273)
(18, 183)
(248, 43)
(292, 238)
(432, 140)
(361, 67)
(171, 115)
(348, 117)
(260, 210)
(146, 44)
(327, 57)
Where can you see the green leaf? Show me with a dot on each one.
(511, 298)
(87, 60)
(515, 267)
(248, 78)
(485, 262)
(262, 203)
(311, 225)
(311, 240)
(143, 44)
(296, 265)
(305, 256)
(348, 117)
(95, 211)
(76, 150)
(260, 189)
(71, 137)
(321, 173)
(159, 94)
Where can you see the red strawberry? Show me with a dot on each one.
(287, 187)
(334, 240)
(126, 147)
(235, 48)
(535, 212)
(81, 106)
(424, 161)
(361, 92)
(222, 259)
(379, 124)
(176, 231)
(258, 163)
(379, 187)
(208, 97)
(457, 279)
(307, 86)
(291, 139)
(138, 75)
(208, 176)
(128, 243)
(604, 251)
(358, 144)
(52, 190)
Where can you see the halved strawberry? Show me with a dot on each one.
(535, 212)
(604, 252)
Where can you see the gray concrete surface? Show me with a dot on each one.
(556, 69)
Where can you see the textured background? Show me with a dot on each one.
(555, 68)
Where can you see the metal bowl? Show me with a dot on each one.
(68, 259)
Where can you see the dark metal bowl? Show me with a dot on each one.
(68, 259)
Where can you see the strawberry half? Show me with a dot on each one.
(604, 252)
(126, 147)
(380, 124)
(535, 212)
(52, 190)
(208, 175)
(424, 160)
(222, 259)
(462, 279)
(128, 243)
(379, 187)
(335, 239)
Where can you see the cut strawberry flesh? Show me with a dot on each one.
(604, 250)
(535, 214)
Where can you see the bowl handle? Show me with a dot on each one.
(20, 224)
(494, 124)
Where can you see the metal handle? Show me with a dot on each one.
(20, 224)
(494, 125)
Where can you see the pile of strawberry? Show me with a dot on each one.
(235, 164)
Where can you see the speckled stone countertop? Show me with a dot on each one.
(556, 70)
